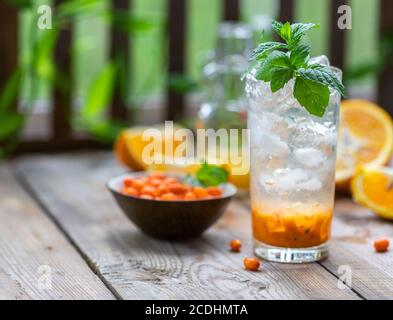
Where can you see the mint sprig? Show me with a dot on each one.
(207, 176)
(279, 62)
(211, 175)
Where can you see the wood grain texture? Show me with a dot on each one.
(337, 36)
(28, 241)
(177, 31)
(62, 92)
(9, 40)
(231, 10)
(137, 267)
(385, 78)
(354, 231)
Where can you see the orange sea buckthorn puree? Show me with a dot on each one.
(299, 226)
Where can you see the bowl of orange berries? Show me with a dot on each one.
(173, 206)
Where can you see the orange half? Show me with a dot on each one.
(130, 144)
(365, 138)
(373, 188)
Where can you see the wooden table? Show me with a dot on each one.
(63, 237)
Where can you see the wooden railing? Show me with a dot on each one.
(64, 138)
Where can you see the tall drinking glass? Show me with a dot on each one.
(293, 156)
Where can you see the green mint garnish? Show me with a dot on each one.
(211, 175)
(279, 62)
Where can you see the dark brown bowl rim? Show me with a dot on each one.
(229, 189)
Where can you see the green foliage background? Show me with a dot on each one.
(145, 23)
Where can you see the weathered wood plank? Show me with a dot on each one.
(30, 244)
(385, 79)
(287, 9)
(231, 10)
(337, 36)
(136, 267)
(120, 47)
(62, 92)
(9, 41)
(353, 232)
(177, 30)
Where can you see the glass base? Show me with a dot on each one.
(290, 255)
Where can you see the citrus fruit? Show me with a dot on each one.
(130, 145)
(365, 138)
(373, 187)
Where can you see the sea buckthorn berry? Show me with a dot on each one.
(214, 191)
(155, 182)
(168, 197)
(131, 191)
(200, 192)
(138, 184)
(381, 245)
(236, 245)
(170, 180)
(128, 182)
(146, 196)
(190, 196)
(161, 189)
(177, 188)
(251, 264)
(149, 190)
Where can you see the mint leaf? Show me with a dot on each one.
(275, 60)
(264, 48)
(323, 75)
(299, 29)
(312, 95)
(279, 78)
(299, 55)
(276, 25)
(286, 32)
(210, 175)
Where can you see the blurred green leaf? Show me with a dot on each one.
(100, 93)
(211, 175)
(10, 124)
(375, 66)
(69, 9)
(181, 83)
(42, 62)
(23, 4)
(106, 130)
(363, 70)
(9, 92)
(128, 22)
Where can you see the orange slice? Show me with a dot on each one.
(365, 138)
(130, 144)
(373, 188)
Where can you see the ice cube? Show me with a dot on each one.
(313, 184)
(272, 146)
(271, 120)
(288, 180)
(309, 157)
(324, 60)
